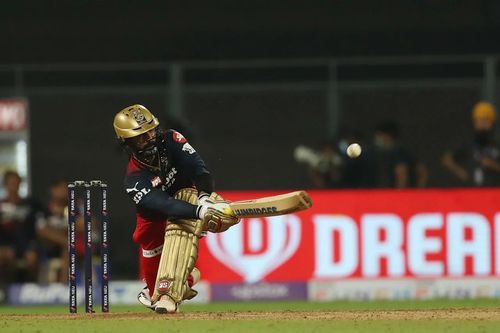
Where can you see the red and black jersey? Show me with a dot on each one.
(152, 188)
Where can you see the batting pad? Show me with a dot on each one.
(180, 251)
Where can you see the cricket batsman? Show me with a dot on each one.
(176, 204)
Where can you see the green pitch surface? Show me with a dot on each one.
(373, 317)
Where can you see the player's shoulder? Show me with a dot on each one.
(178, 143)
(172, 135)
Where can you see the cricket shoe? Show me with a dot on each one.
(144, 299)
(167, 305)
(193, 279)
(164, 305)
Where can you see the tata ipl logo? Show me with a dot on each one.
(257, 246)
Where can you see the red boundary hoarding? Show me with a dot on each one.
(367, 234)
(13, 114)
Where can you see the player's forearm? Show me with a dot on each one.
(204, 182)
(168, 206)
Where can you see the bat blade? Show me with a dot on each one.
(271, 206)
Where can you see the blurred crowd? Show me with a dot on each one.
(33, 234)
(386, 162)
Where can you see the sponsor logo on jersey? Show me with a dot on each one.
(252, 211)
(139, 195)
(132, 189)
(169, 179)
(178, 137)
(188, 148)
(156, 181)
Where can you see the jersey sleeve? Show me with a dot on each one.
(140, 189)
(188, 159)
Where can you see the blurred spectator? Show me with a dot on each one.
(330, 167)
(477, 162)
(52, 231)
(18, 247)
(396, 166)
(324, 165)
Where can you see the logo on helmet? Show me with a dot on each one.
(139, 117)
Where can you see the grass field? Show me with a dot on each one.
(402, 316)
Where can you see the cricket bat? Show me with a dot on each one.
(271, 206)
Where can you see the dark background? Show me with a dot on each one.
(133, 30)
(246, 136)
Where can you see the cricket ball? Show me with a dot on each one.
(354, 150)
